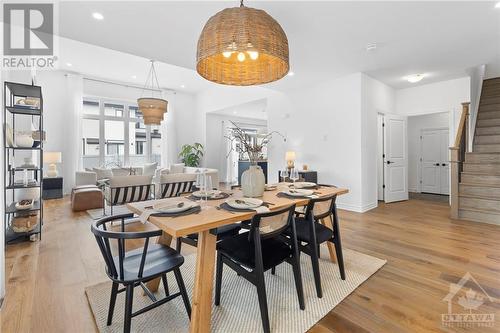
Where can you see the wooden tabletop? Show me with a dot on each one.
(210, 217)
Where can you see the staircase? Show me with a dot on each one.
(479, 180)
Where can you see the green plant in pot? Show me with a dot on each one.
(191, 155)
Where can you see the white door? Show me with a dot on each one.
(395, 158)
(435, 169)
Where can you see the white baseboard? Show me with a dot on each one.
(357, 208)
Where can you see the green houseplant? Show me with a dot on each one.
(191, 154)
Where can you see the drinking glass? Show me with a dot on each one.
(284, 175)
(294, 175)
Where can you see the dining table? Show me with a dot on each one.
(204, 224)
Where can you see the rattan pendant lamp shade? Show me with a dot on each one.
(152, 108)
(242, 46)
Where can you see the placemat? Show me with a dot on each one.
(194, 210)
(222, 195)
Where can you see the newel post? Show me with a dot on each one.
(465, 111)
(455, 170)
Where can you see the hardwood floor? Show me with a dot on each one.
(425, 250)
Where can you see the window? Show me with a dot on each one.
(114, 135)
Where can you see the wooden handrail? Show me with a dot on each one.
(457, 158)
(462, 126)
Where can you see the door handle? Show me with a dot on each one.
(444, 164)
(389, 162)
(437, 164)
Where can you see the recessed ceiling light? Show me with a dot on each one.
(234, 112)
(291, 74)
(183, 86)
(69, 64)
(497, 5)
(134, 76)
(415, 78)
(98, 16)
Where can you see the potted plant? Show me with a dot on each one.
(191, 154)
(253, 181)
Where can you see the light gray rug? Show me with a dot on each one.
(239, 309)
(96, 214)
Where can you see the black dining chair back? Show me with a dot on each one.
(263, 247)
(134, 268)
(175, 189)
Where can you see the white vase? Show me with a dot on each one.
(253, 182)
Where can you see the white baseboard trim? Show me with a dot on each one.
(357, 208)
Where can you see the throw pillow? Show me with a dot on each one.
(177, 168)
(103, 173)
(149, 169)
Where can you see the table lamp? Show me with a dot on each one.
(52, 158)
(290, 159)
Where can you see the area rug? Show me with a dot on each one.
(239, 308)
(96, 214)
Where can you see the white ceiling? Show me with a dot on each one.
(327, 39)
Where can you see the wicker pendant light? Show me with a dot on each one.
(152, 108)
(242, 46)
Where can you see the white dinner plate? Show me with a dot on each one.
(304, 185)
(203, 194)
(271, 187)
(172, 206)
(244, 203)
(298, 192)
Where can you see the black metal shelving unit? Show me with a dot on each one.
(13, 91)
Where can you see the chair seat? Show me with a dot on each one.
(242, 251)
(159, 259)
(303, 232)
(222, 232)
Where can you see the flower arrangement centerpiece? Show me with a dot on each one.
(252, 145)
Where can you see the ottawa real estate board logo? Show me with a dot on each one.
(467, 302)
(28, 36)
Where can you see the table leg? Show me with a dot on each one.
(327, 222)
(201, 313)
(164, 239)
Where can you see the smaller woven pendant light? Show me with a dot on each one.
(242, 46)
(152, 108)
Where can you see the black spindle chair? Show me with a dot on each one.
(263, 247)
(311, 232)
(136, 267)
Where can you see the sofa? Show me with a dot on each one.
(180, 168)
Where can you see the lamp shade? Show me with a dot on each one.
(52, 157)
(290, 156)
(242, 46)
(152, 110)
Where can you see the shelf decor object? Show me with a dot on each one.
(23, 105)
(242, 46)
(52, 157)
(152, 108)
(290, 159)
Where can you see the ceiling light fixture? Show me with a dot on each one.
(497, 5)
(98, 16)
(290, 74)
(415, 78)
(371, 47)
(183, 86)
(152, 108)
(242, 46)
(69, 64)
(134, 76)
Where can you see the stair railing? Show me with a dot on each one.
(461, 146)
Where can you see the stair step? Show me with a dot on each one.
(488, 130)
(489, 100)
(478, 190)
(482, 168)
(487, 148)
(480, 179)
(491, 107)
(480, 204)
(489, 138)
(488, 115)
(482, 157)
(488, 123)
(479, 216)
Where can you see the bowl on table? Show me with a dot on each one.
(305, 185)
(171, 207)
(298, 192)
(244, 203)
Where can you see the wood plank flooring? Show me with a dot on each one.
(425, 250)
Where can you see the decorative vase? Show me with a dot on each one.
(253, 182)
(24, 139)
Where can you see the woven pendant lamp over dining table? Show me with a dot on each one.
(242, 46)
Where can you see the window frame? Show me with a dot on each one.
(126, 119)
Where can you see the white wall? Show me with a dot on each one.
(476, 86)
(215, 152)
(415, 126)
